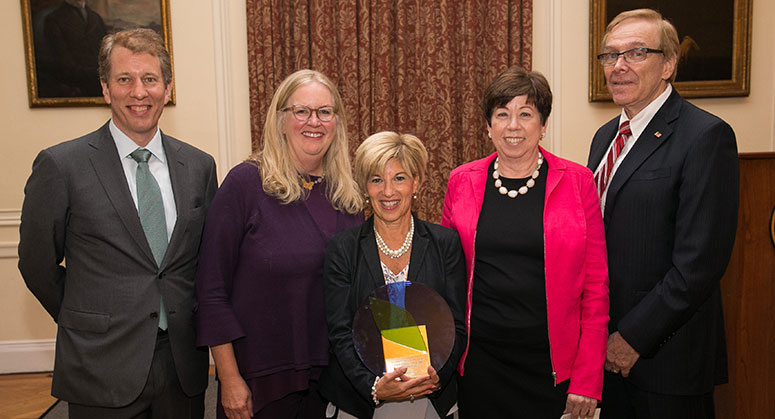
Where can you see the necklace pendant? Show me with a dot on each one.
(307, 184)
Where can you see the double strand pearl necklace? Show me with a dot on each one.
(512, 193)
(395, 254)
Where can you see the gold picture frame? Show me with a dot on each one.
(719, 63)
(60, 49)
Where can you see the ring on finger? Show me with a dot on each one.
(411, 397)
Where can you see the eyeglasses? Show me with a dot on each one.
(634, 55)
(302, 113)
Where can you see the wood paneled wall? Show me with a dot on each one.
(748, 290)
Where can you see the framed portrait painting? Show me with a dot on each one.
(715, 44)
(62, 41)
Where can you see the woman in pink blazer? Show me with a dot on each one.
(532, 234)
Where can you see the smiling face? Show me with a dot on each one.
(635, 85)
(136, 93)
(309, 140)
(515, 130)
(391, 193)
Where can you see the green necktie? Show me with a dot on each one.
(150, 208)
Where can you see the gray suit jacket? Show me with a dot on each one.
(84, 255)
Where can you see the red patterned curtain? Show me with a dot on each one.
(410, 66)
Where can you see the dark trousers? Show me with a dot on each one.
(162, 396)
(307, 404)
(622, 400)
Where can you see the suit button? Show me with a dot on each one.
(154, 315)
(162, 275)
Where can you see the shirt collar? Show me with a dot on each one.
(126, 146)
(639, 123)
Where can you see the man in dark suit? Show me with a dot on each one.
(110, 233)
(73, 33)
(668, 177)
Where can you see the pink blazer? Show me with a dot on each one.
(576, 265)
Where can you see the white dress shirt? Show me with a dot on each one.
(158, 166)
(637, 125)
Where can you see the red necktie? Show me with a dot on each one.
(604, 174)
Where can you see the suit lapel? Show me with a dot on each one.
(478, 181)
(178, 177)
(657, 132)
(553, 175)
(110, 172)
(369, 250)
(601, 142)
(419, 247)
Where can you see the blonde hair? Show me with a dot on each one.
(668, 36)
(375, 152)
(279, 176)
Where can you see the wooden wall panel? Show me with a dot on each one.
(748, 289)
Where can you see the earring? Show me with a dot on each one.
(367, 199)
(489, 134)
(414, 196)
(543, 134)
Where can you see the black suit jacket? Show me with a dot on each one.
(84, 255)
(352, 271)
(670, 220)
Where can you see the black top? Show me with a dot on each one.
(509, 290)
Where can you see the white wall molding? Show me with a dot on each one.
(27, 356)
(547, 41)
(230, 57)
(9, 250)
(10, 217)
(224, 95)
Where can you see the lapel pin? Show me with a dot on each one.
(658, 134)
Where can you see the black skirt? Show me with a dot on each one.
(510, 376)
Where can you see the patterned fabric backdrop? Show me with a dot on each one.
(410, 66)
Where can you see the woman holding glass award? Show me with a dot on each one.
(390, 247)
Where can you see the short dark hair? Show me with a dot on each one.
(516, 81)
(139, 40)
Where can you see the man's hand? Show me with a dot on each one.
(620, 356)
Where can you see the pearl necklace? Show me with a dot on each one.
(395, 254)
(523, 190)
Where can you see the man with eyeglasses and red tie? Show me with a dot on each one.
(668, 177)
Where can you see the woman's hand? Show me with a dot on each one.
(580, 407)
(397, 386)
(236, 398)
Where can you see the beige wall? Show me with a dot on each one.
(212, 110)
(560, 51)
(209, 48)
